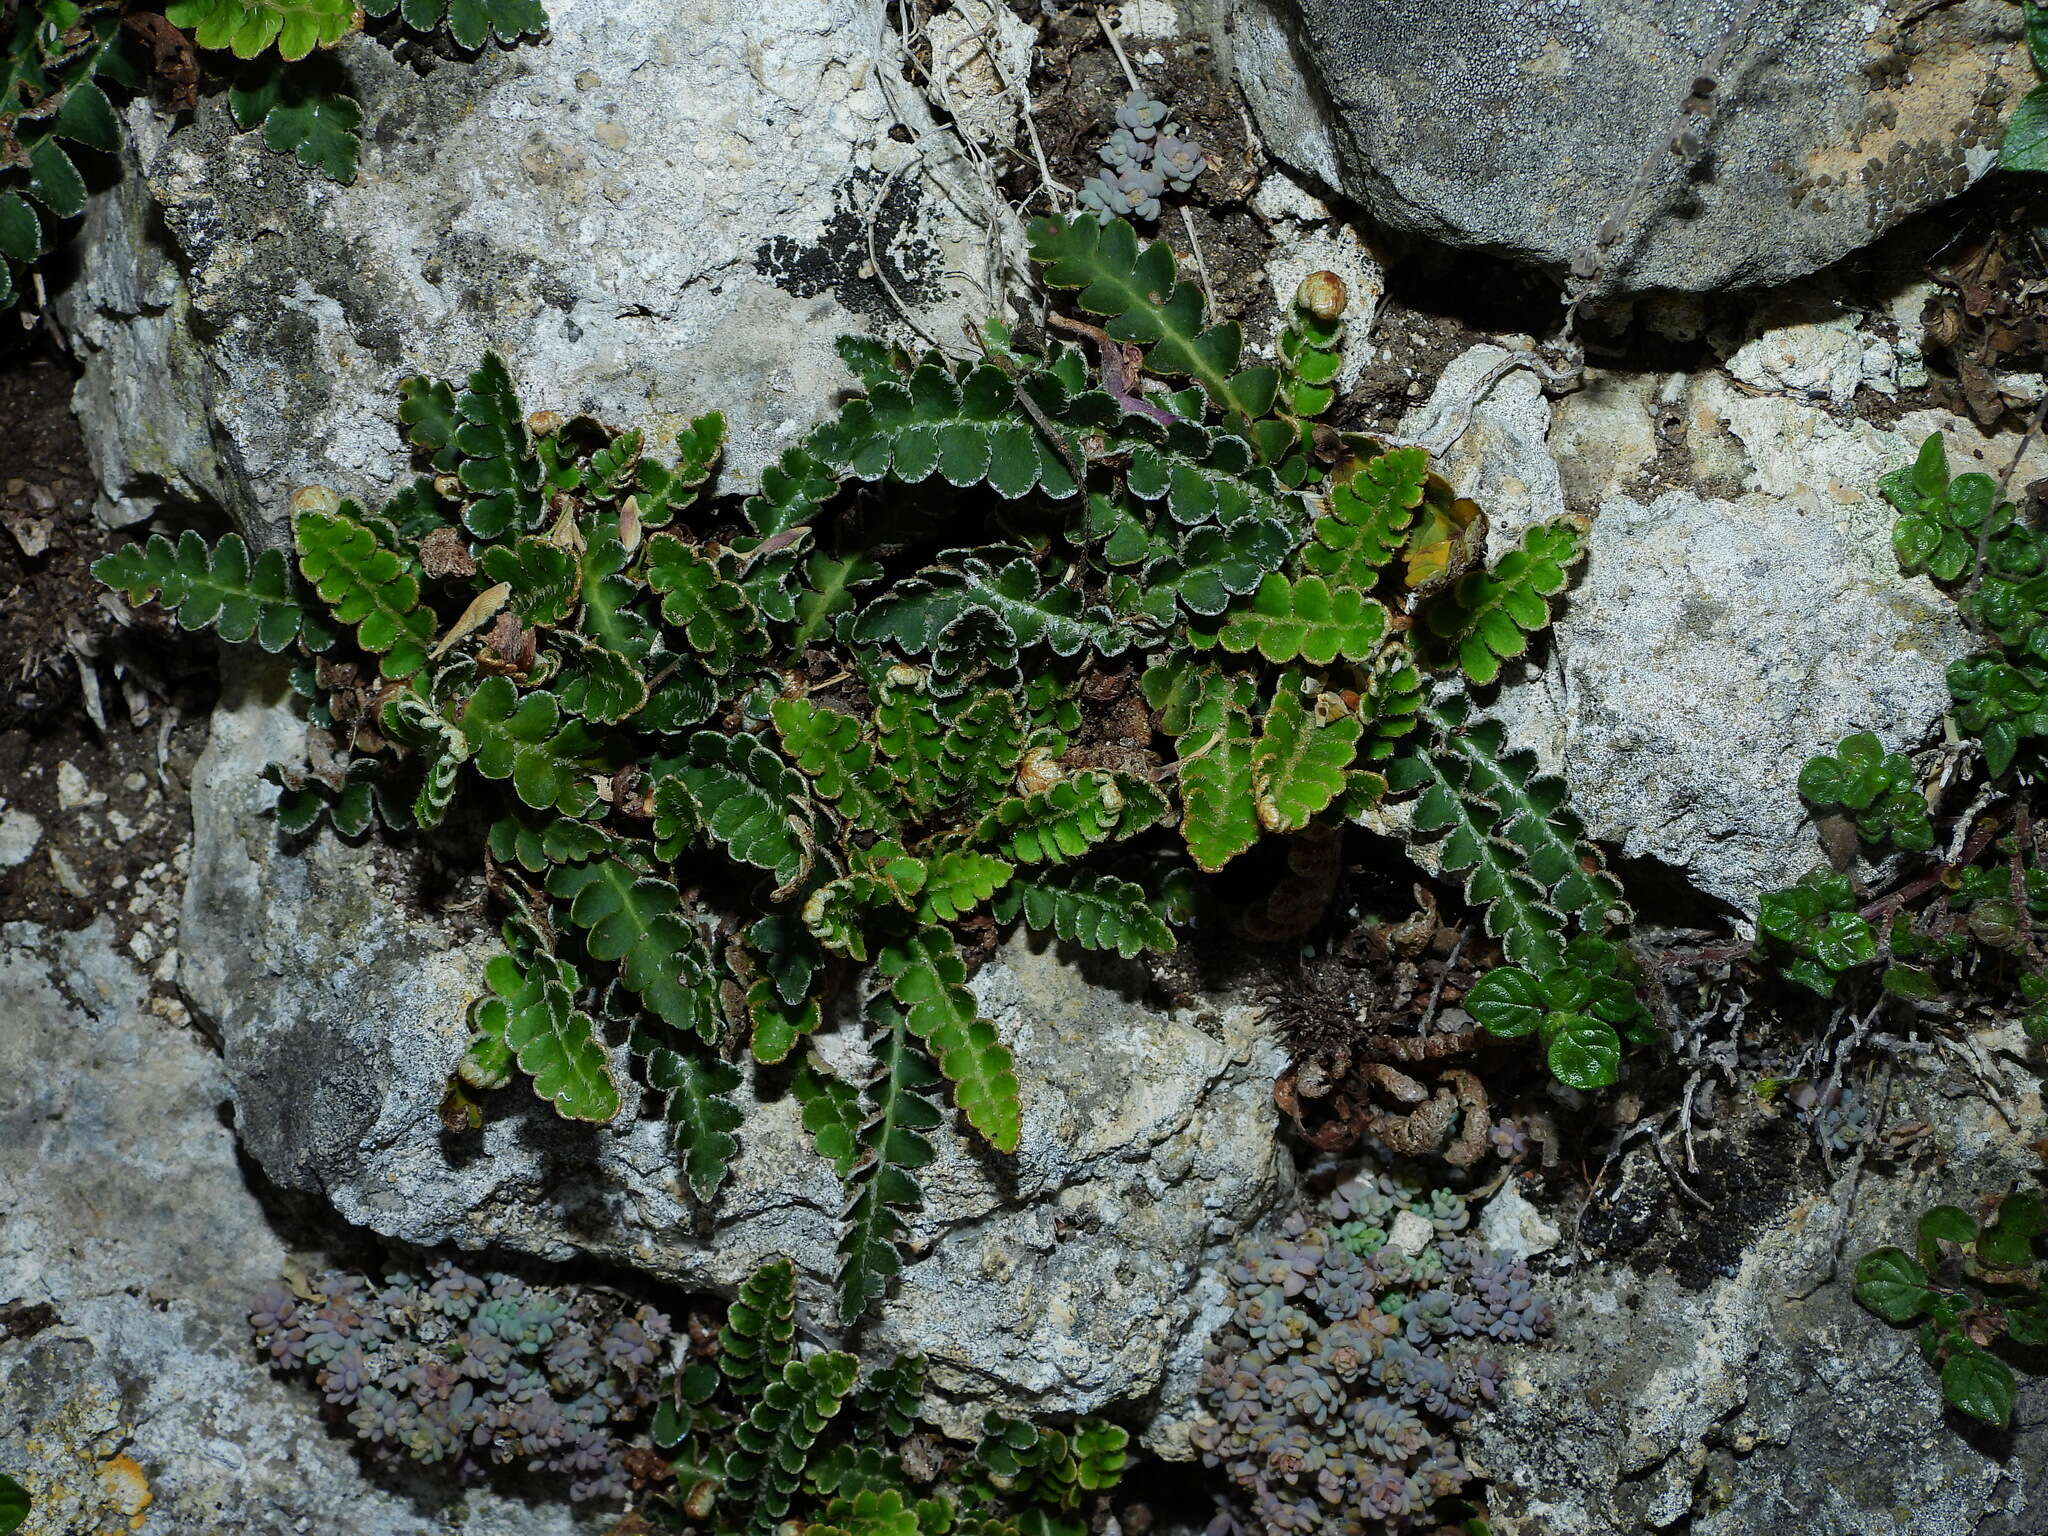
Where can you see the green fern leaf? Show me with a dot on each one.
(470, 22)
(759, 1336)
(1088, 908)
(774, 1442)
(304, 112)
(1054, 825)
(544, 577)
(1391, 701)
(827, 592)
(828, 746)
(703, 599)
(916, 614)
(980, 749)
(633, 920)
(831, 1114)
(494, 455)
(610, 615)
(1205, 477)
(781, 1004)
(557, 840)
(793, 491)
(913, 738)
(1219, 808)
(696, 1104)
(1371, 512)
(753, 802)
(1139, 289)
(835, 914)
(1306, 620)
(968, 430)
(549, 761)
(959, 881)
(1299, 763)
(366, 585)
(1535, 816)
(555, 1043)
(928, 977)
(1465, 830)
(1213, 565)
(247, 27)
(1487, 617)
(218, 588)
(893, 1147)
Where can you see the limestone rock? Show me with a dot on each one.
(1720, 1408)
(662, 209)
(1063, 1280)
(1708, 650)
(1517, 128)
(137, 1400)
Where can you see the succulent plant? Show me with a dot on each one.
(1350, 1358)
(474, 1372)
(1146, 155)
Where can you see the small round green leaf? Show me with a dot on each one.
(1584, 1053)
(1979, 1384)
(14, 1504)
(1890, 1284)
(1508, 1001)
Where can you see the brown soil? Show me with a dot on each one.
(102, 713)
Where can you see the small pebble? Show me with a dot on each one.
(67, 876)
(19, 834)
(72, 789)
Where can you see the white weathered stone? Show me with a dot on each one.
(663, 209)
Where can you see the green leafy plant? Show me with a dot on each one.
(1876, 787)
(53, 56)
(15, 1504)
(1581, 1010)
(742, 776)
(1974, 1286)
(1956, 528)
(759, 1436)
(2025, 147)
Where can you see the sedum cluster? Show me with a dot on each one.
(1347, 1364)
(474, 1371)
(1143, 158)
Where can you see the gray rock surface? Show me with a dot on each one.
(138, 1402)
(1064, 1280)
(1766, 1399)
(660, 210)
(1517, 127)
(1708, 650)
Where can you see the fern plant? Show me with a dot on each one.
(742, 777)
(761, 1436)
(53, 56)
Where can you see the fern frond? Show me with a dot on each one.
(1088, 908)
(533, 1013)
(703, 599)
(549, 760)
(246, 27)
(751, 801)
(965, 428)
(1051, 826)
(892, 1148)
(1138, 288)
(759, 1336)
(365, 585)
(1534, 816)
(928, 977)
(1464, 828)
(1305, 620)
(1300, 763)
(828, 745)
(1488, 616)
(1029, 610)
(634, 920)
(696, 1105)
(545, 578)
(775, 1440)
(980, 749)
(1213, 565)
(1371, 512)
(959, 881)
(217, 588)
